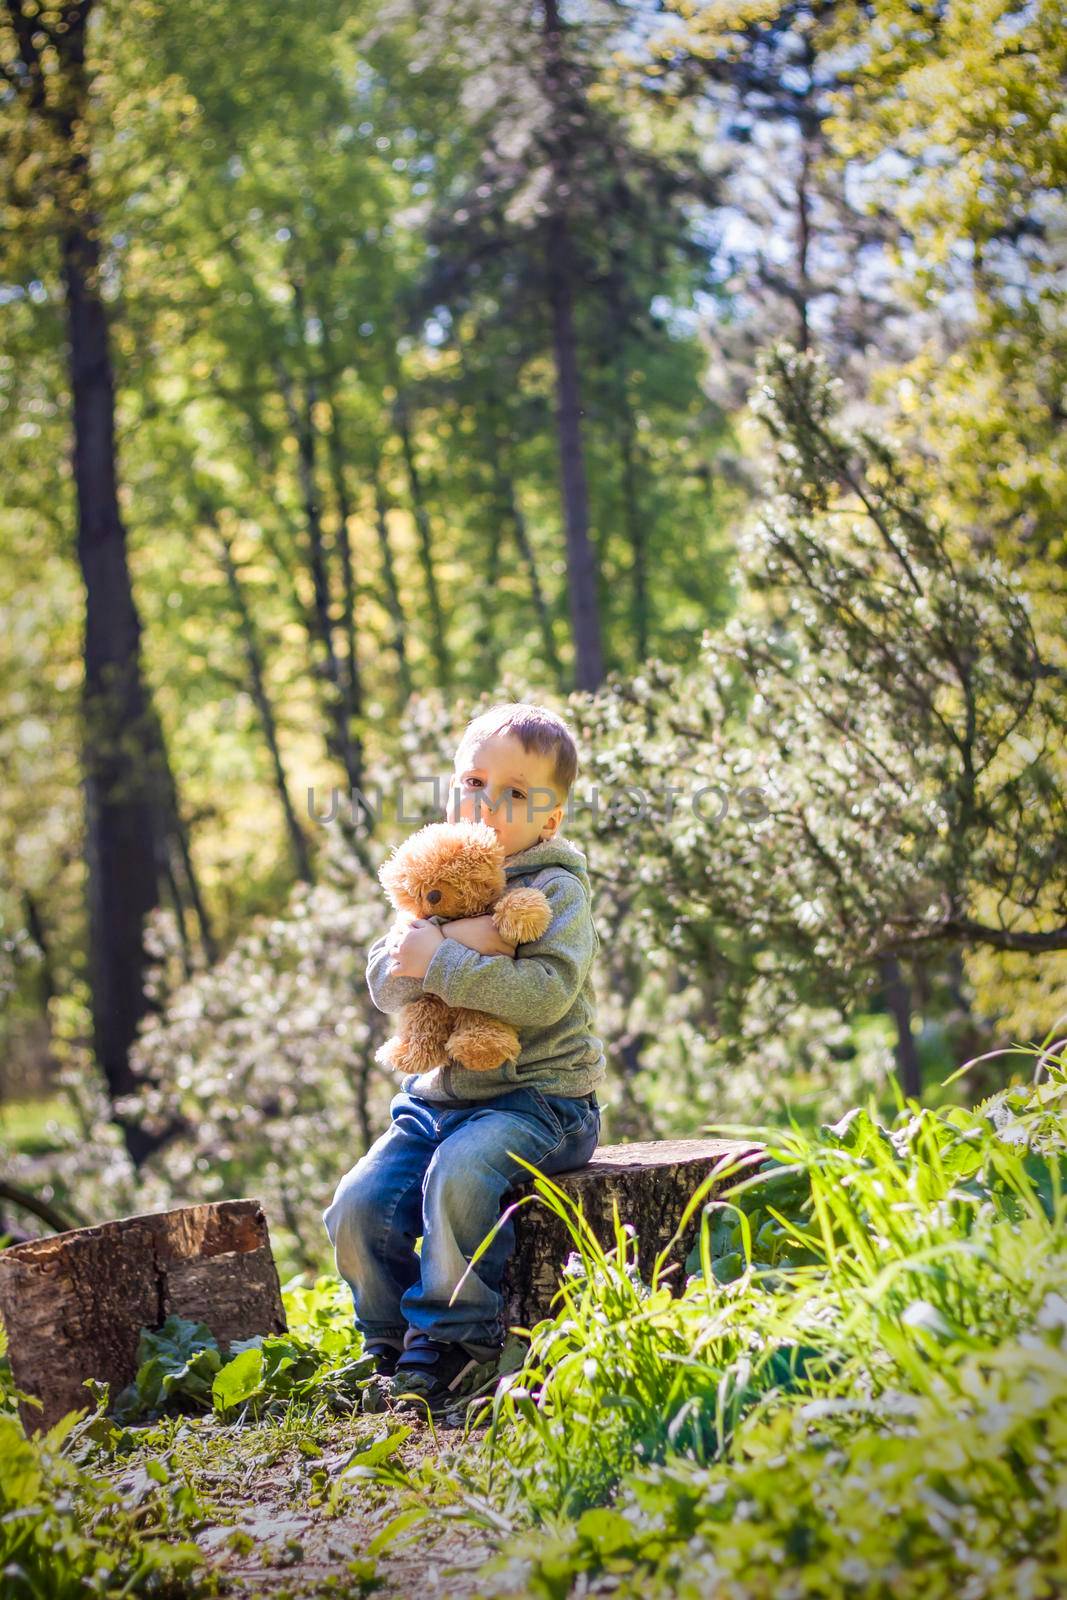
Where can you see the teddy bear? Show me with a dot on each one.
(450, 870)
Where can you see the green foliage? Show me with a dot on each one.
(862, 1382)
(282, 1367)
(881, 1402)
(180, 1365)
(66, 1533)
(324, 238)
(178, 1360)
(958, 1496)
(873, 727)
(765, 1225)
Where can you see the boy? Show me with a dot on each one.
(443, 1166)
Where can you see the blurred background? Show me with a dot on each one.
(694, 369)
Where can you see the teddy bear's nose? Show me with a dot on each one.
(433, 896)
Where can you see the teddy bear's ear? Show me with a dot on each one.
(392, 876)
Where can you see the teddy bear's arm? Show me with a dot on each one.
(521, 915)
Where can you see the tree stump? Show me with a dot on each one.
(652, 1184)
(74, 1304)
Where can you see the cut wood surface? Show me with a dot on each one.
(74, 1304)
(651, 1183)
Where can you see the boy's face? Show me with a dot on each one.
(497, 782)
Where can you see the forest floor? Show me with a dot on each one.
(278, 1519)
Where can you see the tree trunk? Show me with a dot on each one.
(166, 867)
(560, 273)
(182, 867)
(46, 983)
(310, 617)
(634, 526)
(301, 421)
(392, 588)
(352, 682)
(422, 525)
(803, 242)
(512, 509)
(540, 605)
(898, 1002)
(261, 699)
(120, 807)
(505, 498)
(485, 653)
(286, 553)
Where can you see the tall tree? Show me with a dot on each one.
(800, 253)
(556, 190)
(982, 210)
(569, 114)
(45, 66)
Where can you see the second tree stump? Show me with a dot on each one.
(74, 1304)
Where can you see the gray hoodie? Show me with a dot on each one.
(545, 992)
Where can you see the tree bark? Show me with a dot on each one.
(35, 928)
(537, 595)
(121, 807)
(808, 123)
(257, 685)
(486, 651)
(285, 551)
(353, 683)
(74, 1305)
(392, 588)
(507, 510)
(651, 1183)
(301, 421)
(560, 277)
(634, 526)
(898, 1002)
(422, 526)
(177, 833)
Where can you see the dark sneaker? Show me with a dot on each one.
(385, 1356)
(374, 1388)
(438, 1376)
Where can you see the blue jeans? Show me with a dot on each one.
(443, 1172)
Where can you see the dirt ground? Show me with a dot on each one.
(293, 1548)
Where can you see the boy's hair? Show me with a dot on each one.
(537, 729)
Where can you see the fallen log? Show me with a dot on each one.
(74, 1304)
(651, 1184)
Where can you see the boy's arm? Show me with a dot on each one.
(388, 991)
(540, 984)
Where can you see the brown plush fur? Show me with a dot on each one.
(455, 869)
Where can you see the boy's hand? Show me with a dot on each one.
(413, 950)
(478, 933)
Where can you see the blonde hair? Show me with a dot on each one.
(539, 731)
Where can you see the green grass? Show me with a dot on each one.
(861, 1389)
(25, 1125)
